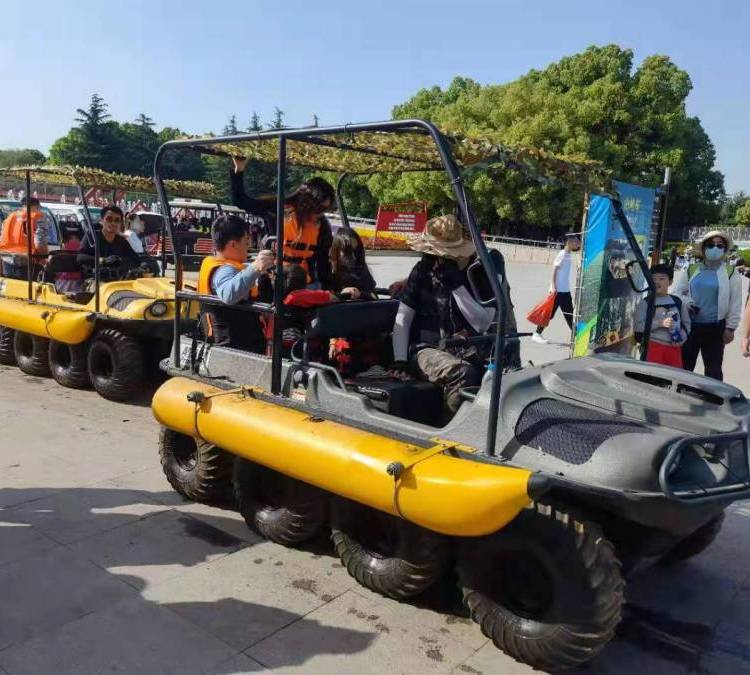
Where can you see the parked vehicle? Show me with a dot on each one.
(109, 335)
(548, 486)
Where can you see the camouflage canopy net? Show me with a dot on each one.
(368, 152)
(86, 177)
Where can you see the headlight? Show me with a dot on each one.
(158, 308)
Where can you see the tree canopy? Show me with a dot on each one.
(21, 156)
(595, 105)
(591, 105)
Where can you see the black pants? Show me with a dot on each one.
(565, 302)
(708, 339)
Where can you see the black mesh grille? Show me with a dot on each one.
(568, 432)
(119, 300)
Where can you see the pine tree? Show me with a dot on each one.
(255, 123)
(95, 116)
(278, 119)
(231, 128)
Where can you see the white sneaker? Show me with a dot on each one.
(539, 339)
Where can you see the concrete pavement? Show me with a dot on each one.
(104, 569)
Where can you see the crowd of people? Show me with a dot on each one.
(436, 303)
(698, 306)
(698, 309)
(120, 246)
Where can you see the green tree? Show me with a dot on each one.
(742, 216)
(255, 123)
(591, 105)
(95, 142)
(278, 119)
(230, 129)
(728, 206)
(180, 165)
(21, 157)
(139, 142)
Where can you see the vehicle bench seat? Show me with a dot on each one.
(352, 319)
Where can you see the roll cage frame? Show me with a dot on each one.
(316, 136)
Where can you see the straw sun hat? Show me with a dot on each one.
(444, 237)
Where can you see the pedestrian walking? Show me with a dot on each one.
(713, 291)
(561, 286)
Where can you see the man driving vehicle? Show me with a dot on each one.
(436, 305)
(114, 250)
(227, 275)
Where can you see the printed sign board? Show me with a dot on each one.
(605, 306)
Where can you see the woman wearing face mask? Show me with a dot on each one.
(713, 291)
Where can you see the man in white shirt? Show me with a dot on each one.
(560, 285)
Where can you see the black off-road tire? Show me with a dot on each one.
(115, 365)
(195, 469)
(278, 507)
(7, 354)
(31, 353)
(388, 555)
(695, 543)
(69, 364)
(547, 589)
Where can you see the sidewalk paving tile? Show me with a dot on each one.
(363, 635)
(158, 548)
(43, 592)
(133, 637)
(244, 597)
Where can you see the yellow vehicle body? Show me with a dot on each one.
(438, 491)
(52, 315)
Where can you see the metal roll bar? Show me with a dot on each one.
(315, 136)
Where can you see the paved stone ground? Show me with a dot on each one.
(104, 569)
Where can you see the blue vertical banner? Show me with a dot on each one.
(605, 305)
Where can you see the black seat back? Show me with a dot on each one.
(353, 319)
(61, 261)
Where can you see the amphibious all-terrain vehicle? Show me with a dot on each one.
(110, 334)
(548, 486)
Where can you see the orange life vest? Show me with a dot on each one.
(208, 266)
(300, 243)
(222, 324)
(14, 237)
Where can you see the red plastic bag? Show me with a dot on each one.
(541, 314)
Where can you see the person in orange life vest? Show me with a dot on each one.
(13, 238)
(307, 232)
(227, 275)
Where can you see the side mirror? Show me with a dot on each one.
(480, 284)
(635, 277)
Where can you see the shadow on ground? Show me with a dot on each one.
(67, 561)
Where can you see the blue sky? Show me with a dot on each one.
(191, 64)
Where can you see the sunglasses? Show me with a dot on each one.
(719, 246)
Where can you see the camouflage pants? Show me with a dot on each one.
(448, 372)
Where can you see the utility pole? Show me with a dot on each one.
(663, 197)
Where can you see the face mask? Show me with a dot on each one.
(713, 253)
